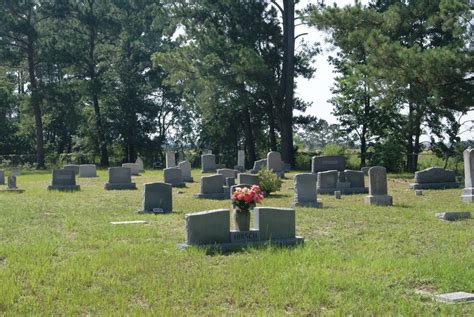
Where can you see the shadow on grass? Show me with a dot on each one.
(273, 248)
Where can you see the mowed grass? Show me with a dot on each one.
(60, 255)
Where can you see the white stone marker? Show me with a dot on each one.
(468, 192)
(455, 297)
(241, 158)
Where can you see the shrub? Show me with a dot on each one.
(269, 181)
(333, 149)
(303, 161)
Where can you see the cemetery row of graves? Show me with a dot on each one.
(206, 223)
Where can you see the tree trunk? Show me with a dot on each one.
(35, 103)
(249, 139)
(363, 146)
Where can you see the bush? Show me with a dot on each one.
(390, 155)
(303, 161)
(333, 149)
(269, 181)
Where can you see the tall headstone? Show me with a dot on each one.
(64, 180)
(467, 195)
(87, 170)
(274, 163)
(212, 187)
(241, 158)
(170, 159)
(141, 165)
(120, 178)
(327, 163)
(378, 187)
(185, 168)
(72, 167)
(208, 163)
(157, 198)
(173, 177)
(134, 168)
(305, 191)
(2, 177)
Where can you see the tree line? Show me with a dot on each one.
(115, 79)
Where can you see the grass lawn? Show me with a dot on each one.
(60, 255)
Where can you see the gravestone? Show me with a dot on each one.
(241, 159)
(467, 195)
(208, 227)
(274, 163)
(337, 194)
(378, 187)
(208, 163)
(87, 170)
(141, 165)
(227, 173)
(434, 178)
(212, 187)
(249, 179)
(64, 180)
(274, 223)
(305, 191)
(327, 181)
(134, 168)
(2, 177)
(418, 192)
(185, 168)
(170, 159)
(157, 198)
(454, 215)
(229, 181)
(327, 163)
(120, 178)
(11, 186)
(72, 167)
(365, 170)
(258, 165)
(347, 182)
(355, 178)
(173, 177)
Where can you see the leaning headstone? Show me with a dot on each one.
(208, 227)
(87, 170)
(274, 223)
(305, 191)
(327, 182)
(258, 165)
(157, 198)
(173, 177)
(455, 297)
(327, 163)
(378, 187)
(208, 163)
(72, 167)
(170, 159)
(241, 159)
(120, 178)
(454, 215)
(185, 168)
(64, 180)
(141, 165)
(434, 178)
(250, 179)
(2, 177)
(11, 186)
(467, 195)
(274, 163)
(134, 169)
(227, 172)
(365, 170)
(212, 187)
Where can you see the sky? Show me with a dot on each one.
(317, 90)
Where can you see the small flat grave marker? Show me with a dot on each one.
(455, 297)
(454, 215)
(133, 222)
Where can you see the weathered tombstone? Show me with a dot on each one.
(355, 178)
(87, 170)
(208, 227)
(185, 168)
(11, 186)
(378, 187)
(64, 180)
(467, 195)
(208, 163)
(327, 163)
(120, 178)
(274, 163)
(337, 194)
(454, 215)
(134, 169)
(274, 223)
(434, 178)
(2, 177)
(173, 177)
(72, 167)
(170, 159)
(227, 172)
(212, 187)
(365, 170)
(241, 159)
(418, 192)
(327, 182)
(258, 165)
(250, 179)
(305, 191)
(157, 198)
(141, 165)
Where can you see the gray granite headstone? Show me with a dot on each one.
(258, 165)
(327, 179)
(208, 163)
(434, 178)
(365, 170)
(241, 158)
(454, 215)
(467, 195)
(170, 159)
(355, 178)
(378, 187)
(157, 198)
(72, 167)
(208, 227)
(185, 168)
(250, 179)
(2, 177)
(327, 163)
(227, 172)
(87, 170)
(274, 162)
(11, 182)
(274, 223)
(134, 168)
(212, 187)
(120, 178)
(305, 191)
(64, 180)
(141, 165)
(337, 194)
(173, 177)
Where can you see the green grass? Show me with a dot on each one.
(60, 255)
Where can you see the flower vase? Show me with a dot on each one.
(242, 219)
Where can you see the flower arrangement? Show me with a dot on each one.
(245, 198)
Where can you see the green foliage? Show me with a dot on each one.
(303, 161)
(333, 149)
(388, 154)
(269, 181)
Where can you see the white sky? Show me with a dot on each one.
(317, 89)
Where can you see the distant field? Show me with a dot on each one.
(59, 255)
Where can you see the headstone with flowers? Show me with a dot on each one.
(245, 199)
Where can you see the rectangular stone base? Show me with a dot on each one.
(12, 190)
(63, 187)
(188, 179)
(218, 196)
(380, 200)
(433, 185)
(345, 191)
(234, 246)
(119, 186)
(308, 204)
(454, 215)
